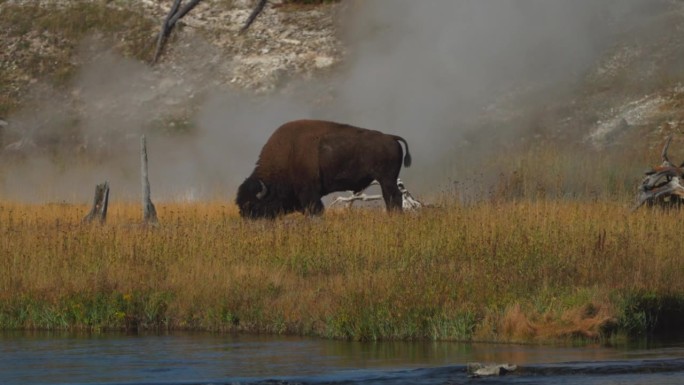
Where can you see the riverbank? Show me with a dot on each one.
(522, 271)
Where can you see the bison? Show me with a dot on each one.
(304, 160)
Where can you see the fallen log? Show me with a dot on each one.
(409, 203)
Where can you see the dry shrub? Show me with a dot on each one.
(516, 325)
(589, 321)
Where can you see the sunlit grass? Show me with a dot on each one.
(505, 271)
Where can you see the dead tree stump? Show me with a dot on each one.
(149, 212)
(100, 203)
(3, 124)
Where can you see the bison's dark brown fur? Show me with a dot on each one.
(305, 160)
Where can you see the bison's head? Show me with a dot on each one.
(257, 199)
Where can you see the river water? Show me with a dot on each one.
(203, 358)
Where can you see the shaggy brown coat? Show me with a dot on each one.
(305, 160)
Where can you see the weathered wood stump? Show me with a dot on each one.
(100, 203)
(149, 212)
(3, 124)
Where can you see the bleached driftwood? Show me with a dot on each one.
(360, 196)
(408, 201)
(662, 184)
(476, 369)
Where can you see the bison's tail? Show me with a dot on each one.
(407, 156)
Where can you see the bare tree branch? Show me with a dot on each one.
(175, 14)
(183, 11)
(252, 16)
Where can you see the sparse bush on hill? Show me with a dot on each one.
(40, 41)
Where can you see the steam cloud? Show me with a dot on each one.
(424, 70)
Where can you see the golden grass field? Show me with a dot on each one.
(515, 271)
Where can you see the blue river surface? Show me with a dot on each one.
(205, 358)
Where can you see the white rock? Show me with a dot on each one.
(323, 61)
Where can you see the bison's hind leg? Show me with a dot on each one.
(391, 195)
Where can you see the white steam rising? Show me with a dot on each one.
(425, 70)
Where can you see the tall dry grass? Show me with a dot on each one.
(503, 271)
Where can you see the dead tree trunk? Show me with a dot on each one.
(177, 12)
(3, 124)
(252, 16)
(149, 212)
(100, 204)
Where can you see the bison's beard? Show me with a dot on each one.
(277, 201)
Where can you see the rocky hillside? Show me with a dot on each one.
(286, 41)
(76, 78)
(634, 91)
(47, 42)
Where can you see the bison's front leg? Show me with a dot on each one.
(311, 203)
(391, 195)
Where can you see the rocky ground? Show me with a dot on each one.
(633, 93)
(301, 41)
(285, 41)
(205, 52)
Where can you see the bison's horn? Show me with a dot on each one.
(263, 191)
